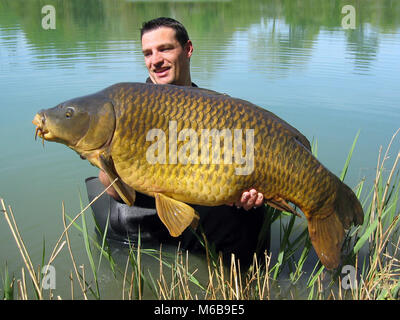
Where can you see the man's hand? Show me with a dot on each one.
(106, 182)
(249, 199)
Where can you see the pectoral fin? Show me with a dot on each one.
(107, 166)
(281, 204)
(176, 215)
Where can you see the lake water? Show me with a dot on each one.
(293, 58)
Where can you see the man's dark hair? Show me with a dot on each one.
(180, 31)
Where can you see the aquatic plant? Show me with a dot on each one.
(371, 250)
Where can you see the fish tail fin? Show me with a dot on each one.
(326, 234)
(327, 226)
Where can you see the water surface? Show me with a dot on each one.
(290, 57)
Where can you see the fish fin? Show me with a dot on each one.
(282, 205)
(303, 141)
(326, 236)
(108, 167)
(327, 225)
(176, 215)
(348, 207)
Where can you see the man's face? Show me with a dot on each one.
(166, 60)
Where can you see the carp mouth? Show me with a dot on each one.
(41, 131)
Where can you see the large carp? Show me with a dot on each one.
(189, 145)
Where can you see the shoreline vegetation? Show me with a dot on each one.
(371, 250)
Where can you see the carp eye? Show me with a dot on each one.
(69, 113)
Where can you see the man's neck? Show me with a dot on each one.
(188, 82)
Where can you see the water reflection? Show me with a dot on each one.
(291, 57)
(362, 47)
(281, 32)
(274, 48)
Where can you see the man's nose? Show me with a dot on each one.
(156, 58)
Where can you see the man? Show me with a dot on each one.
(231, 229)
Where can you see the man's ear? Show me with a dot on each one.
(189, 48)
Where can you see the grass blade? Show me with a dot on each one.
(89, 250)
(8, 285)
(350, 154)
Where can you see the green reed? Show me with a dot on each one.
(372, 249)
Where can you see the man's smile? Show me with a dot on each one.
(161, 72)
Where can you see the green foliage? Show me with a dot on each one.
(373, 249)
